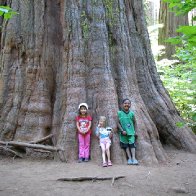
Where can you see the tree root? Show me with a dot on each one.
(93, 179)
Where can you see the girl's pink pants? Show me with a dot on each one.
(84, 145)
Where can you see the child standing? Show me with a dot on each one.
(126, 126)
(83, 123)
(104, 133)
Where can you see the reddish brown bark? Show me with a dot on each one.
(57, 54)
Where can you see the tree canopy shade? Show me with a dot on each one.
(59, 53)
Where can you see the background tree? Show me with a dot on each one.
(170, 22)
(181, 74)
(151, 8)
(2, 3)
(58, 53)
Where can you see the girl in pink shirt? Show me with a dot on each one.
(83, 123)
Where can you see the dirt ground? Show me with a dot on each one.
(21, 177)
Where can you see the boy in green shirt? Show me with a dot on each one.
(126, 126)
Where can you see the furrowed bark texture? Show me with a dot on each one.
(59, 53)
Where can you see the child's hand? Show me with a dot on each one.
(86, 131)
(82, 131)
(124, 132)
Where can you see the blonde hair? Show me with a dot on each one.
(102, 118)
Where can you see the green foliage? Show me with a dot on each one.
(189, 33)
(189, 36)
(84, 24)
(181, 7)
(109, 8)
(111, 11)
(7, 12)
(180, 124)
(180, 78)
(180, 81)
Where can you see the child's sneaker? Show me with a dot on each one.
(135, 162)
(129, 162)
(80, 160)
(86, 160)
(105, 164)
(109, 163)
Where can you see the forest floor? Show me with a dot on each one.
(26, 177)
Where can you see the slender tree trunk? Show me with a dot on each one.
(151, 9)
(2, 3)
(59, 53)
(170, 23)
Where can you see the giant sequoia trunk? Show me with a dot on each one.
(170, 23)
(58, 53)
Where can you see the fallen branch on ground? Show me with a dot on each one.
(79, 179)
(42, 151)
(36, 146)
(42, 139)
(11, 151)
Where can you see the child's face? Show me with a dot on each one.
(102, 123)
(83, 110)
(126, 105)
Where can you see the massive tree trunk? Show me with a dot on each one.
(170, 23)
(59, 53)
